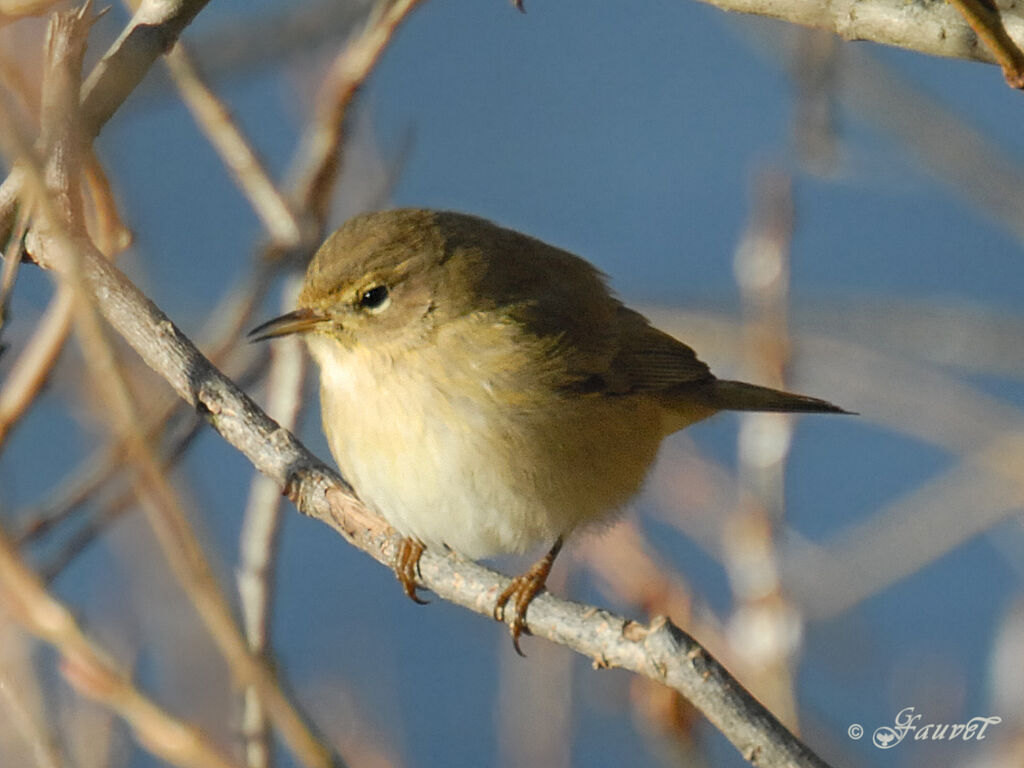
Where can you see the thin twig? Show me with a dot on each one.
(94, 674)
(36, 361)
(967, 161)
(21, 698)
(180, 425)
(111, 235)
(12, 260)
(764, 626)
(988, 26)
(320, 156)
(215, 119)
(259, 534)
(179, 440)
(627, 572)
(911, 399)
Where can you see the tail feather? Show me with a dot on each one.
(739, 396)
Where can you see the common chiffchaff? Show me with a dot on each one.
(484, 391)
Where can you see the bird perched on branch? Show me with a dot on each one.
(484, 391)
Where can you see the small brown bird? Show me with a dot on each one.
(485, 391)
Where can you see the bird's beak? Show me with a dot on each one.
(299, 321)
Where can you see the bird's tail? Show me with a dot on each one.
(739, 396)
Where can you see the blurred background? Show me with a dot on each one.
(840, 219)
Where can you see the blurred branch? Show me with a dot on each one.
(980, 490)
(254, 42)
(215, 120)
(320, 153)
(10, 10)
(155, 26)
(626, 571)
(534, 703)
(260, 527)
(815, 70)
(180, 426)
(968, 162)
(98, 469)
(12, 260)
(21, 698)
(891, 391)
(181, 437)
(36, 360)
(957, 154)
(900, 539)
(969, 338)
(94, 674)
(765, 626)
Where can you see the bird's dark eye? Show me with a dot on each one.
(374, 298)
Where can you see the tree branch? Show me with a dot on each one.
(932, 27)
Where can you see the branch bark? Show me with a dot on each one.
(932, 27)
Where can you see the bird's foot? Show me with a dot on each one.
(407, 567)
(521, 591)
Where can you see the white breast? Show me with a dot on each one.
(469, 471)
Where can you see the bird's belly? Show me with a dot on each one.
(475, 474)
(430, 471)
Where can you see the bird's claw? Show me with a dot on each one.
(407, 567)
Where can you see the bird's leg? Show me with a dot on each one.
(522, 590)
(407, 566)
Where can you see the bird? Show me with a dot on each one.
(487, 393)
